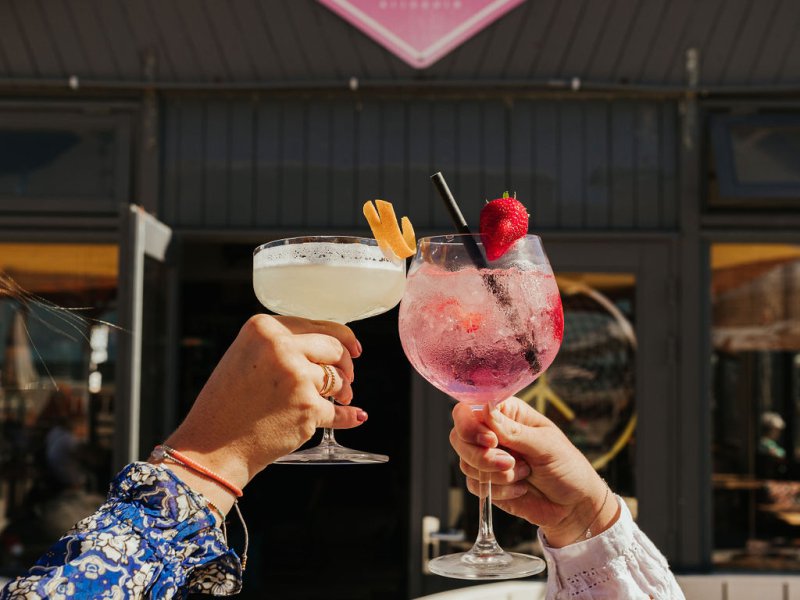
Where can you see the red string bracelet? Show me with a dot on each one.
(161, 452)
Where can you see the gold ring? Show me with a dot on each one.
(329, 381)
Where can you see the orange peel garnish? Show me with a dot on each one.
(400, 239)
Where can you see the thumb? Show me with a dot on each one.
(529, 441)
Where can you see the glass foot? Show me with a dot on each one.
(331, 454)
(507, 565)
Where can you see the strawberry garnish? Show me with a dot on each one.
(503, 221)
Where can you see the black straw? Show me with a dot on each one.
(489, 279)
(451, 205)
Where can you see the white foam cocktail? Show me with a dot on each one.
(339, 279)
(327, 280)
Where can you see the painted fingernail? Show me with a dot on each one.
(358, 345)
(361, 415)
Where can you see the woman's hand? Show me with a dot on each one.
(536, 472)
(263, 399)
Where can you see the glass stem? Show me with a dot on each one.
(485, 544)
(327, 434)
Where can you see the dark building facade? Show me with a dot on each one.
(654, 142)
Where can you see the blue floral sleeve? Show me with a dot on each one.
(153, 538)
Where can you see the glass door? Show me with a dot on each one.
(83, 330)
(619, 319)
(58, 388)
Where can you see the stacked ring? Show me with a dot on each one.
(329, 380)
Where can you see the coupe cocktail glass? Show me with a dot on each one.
(481, 334)
(339, 279)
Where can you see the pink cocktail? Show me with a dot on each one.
(480, 333)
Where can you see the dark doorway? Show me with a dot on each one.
(332, 533)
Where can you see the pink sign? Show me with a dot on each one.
(420, 31)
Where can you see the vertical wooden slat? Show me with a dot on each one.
(420, 159)
(241, 160)
(292, 190)
(468, 189)
(520, 157)
(668, 164)
(546, 174)
(596, 167)
(172, 158)
(575, 165)
(445, 148)
(571, 169)
(269, 117)
(346, 205)
(648, 198)
(217, 164)
(494, 149)
(393, 153)
(191, 180)
(318, 167)
(623, 180)
(368, 151)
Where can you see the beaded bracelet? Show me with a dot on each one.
(163, 452)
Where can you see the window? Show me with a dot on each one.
(755, 292)
(757, 160)
(62, 163)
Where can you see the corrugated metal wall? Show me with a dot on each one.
(741, 42)
(310, 164)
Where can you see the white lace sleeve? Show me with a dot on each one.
(620, 563)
